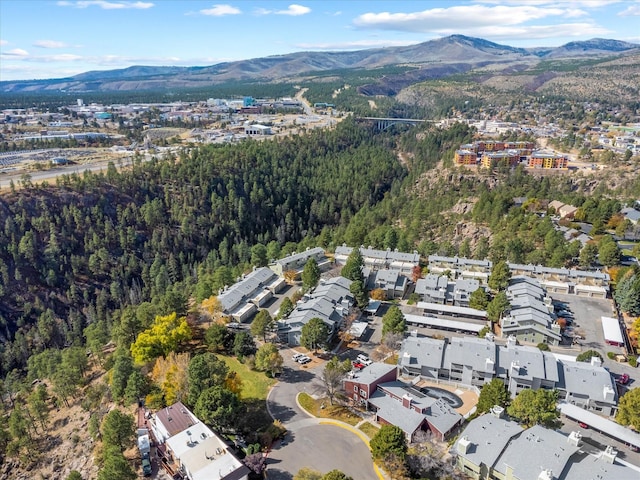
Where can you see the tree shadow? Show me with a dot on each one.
(293, 375)
(281, 412)
(277, 474)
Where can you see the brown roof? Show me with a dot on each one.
(175, 418)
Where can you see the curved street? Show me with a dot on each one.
(312, 442)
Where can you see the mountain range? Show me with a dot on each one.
(433, 59)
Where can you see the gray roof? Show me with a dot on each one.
(447, 309)
(394, 413)
(602, 424)
(632, 214)
(371, 373)
(421, 351)
(298, 257)
(531, 362)
(489, 436)
(587, 379)
(471, 351)
(385, 255)
(535, 450)
(245, 288)
(442, 416)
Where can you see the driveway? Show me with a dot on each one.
(309, 443)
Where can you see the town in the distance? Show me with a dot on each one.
(439, 281)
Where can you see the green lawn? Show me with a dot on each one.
(254, 384)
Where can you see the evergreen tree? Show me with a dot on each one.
(353, 267)
(393, 321)
(314, 334)
(493, 393)
(500, 275)
(310, 274)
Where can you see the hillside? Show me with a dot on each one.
(436, 58)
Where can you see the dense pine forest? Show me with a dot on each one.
(73, 253)
(75, 257)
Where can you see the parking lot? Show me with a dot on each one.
(585, 315)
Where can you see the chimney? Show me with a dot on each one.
(406, 401)
(463, 445)
(596, 362)
(488, 365)
(497, 411)
(545, 474)
(515, 368)
(511, 341)
(575, 439)
(608, 393)
(609, 454)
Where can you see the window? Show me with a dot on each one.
(363, 394)
(355, 388)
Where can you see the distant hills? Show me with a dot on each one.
(433, 59)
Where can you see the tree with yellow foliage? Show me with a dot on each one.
(170, 374)
(212, 307)
(164, 336)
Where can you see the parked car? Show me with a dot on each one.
(623, 379)
(303, 360)
(358, 365)
(362, 358)
(146, 465)
(583, 425)
(297, 356)
(234, 325)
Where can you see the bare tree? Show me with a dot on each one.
(334, 372)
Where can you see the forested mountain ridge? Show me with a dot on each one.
(73, 253)
(436, 58)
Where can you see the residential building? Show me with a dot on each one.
(530, 316)
(588, 386)
(254, 290)
(296, 261)
(331, 301)
(257, 130)
(189, 447)
(631, 214)
(432, 288)
(509, 158)
(474, 362)
(381, 259)
(437, 289)
(466, 157)
(400, 404)
(547, 161)
(360, 385)
(493, 447)
(392, 282)
(461, 267)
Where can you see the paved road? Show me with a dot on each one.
(308, 442)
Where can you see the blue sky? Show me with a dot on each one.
(52, 39)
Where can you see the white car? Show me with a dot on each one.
(303, 360)
(297, 356)
(364, 359)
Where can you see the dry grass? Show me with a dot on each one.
(368, 429)
(335, 412)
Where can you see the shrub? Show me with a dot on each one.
(633, 361)
(611, 355)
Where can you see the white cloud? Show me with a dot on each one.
(573, 3)
(470, 16)
(16, 52)
(49, 44)
(220, 11)
(3, 42)
(293, 10)
(107, 5)
(536, 32)
(357, 44)
(630, 11)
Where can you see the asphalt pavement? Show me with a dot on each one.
(310, 442)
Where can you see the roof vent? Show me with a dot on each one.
(609, 454)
